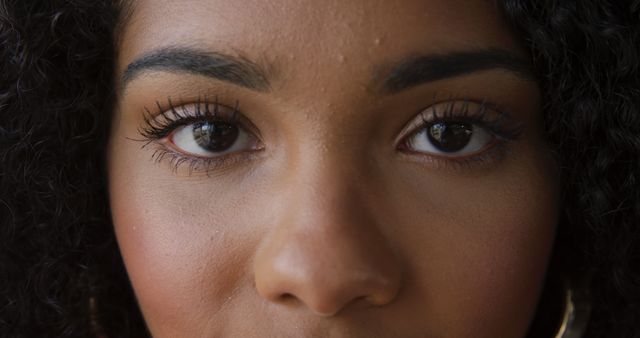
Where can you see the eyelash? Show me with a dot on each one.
(502, 127)
(159, 125)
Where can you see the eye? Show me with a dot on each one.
(458, 129)
(204, 136)
(211, 139)
(450, 138)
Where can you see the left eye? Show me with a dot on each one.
(211, 139)
(450, 138)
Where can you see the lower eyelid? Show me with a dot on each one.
(478, 161)
(200, 165)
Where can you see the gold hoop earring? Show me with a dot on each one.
(576, 313)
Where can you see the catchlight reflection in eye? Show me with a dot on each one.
(210, 138)
(450, 139)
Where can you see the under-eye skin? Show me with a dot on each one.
(205, 136)
(462, 134)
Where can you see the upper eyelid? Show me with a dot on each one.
(180, 108)
(180, 111)
(513, 127)
(483, 106)
(177, 115)
(159, 124)
(418, 120)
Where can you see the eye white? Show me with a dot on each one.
(184, 140)
(420, 142)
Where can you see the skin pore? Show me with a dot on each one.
(322, 208)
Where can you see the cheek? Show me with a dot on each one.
(184, 244)
(480, 245)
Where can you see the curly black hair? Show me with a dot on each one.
(61, 274)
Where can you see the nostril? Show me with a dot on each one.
(287, 298)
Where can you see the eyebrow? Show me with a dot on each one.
(231, 69)
(423, 69)
(403, 75)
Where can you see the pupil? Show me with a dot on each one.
(215, 136)
(450, 136)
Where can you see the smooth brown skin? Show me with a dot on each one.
(331, 230)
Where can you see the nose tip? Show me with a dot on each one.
(326, 297)
(328, 300)
(325, 284)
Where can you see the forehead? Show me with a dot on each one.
(311, 33)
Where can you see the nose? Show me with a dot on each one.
(326, 251)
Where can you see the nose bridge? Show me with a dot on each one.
(327, 194)
(326, 250)
(327, 180)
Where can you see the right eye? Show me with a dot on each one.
(209, 139)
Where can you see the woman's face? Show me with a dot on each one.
(331, 168)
